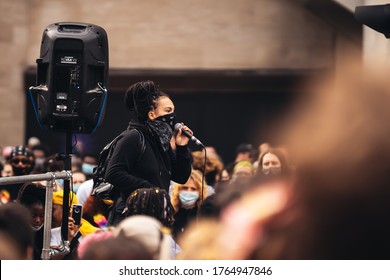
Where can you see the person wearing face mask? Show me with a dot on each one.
(78, 178)
(32, 195)
(40, 153)
(272, 162)
(54, 164)
(22, 162)
(186, 199)
(89, 162)
(143, 156)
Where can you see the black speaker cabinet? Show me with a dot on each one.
(72, 78)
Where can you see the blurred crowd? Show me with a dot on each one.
(324, 195)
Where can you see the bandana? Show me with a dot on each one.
(163, 132)
(169, 119)
(21, 151)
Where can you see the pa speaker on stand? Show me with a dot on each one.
(71, 90)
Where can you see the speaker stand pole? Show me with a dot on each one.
(66, 203)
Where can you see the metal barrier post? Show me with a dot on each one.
(50, 177)
(48, 216)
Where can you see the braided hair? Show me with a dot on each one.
(154, 202)
(142, 97)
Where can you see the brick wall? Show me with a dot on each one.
(200, 34)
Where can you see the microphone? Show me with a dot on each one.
(179, 126)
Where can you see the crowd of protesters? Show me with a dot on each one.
(324, 195)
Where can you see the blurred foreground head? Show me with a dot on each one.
(148, 231)
(340, 144)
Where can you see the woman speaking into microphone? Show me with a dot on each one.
(143, 156)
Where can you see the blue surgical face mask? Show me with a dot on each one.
(188, 198)
(60, 181)
(76, 187)
(87, 168)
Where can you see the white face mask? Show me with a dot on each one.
(37, 228)
(188, 198)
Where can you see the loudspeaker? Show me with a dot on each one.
(376, 17)
(72, 77)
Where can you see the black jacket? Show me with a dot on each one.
(128, 170)
(183, 217)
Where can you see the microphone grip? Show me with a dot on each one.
(189, 135)
(186, 133)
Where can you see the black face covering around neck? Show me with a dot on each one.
(272, 171)
(163, 132)
(18, 171)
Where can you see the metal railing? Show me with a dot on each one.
(50, 177)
